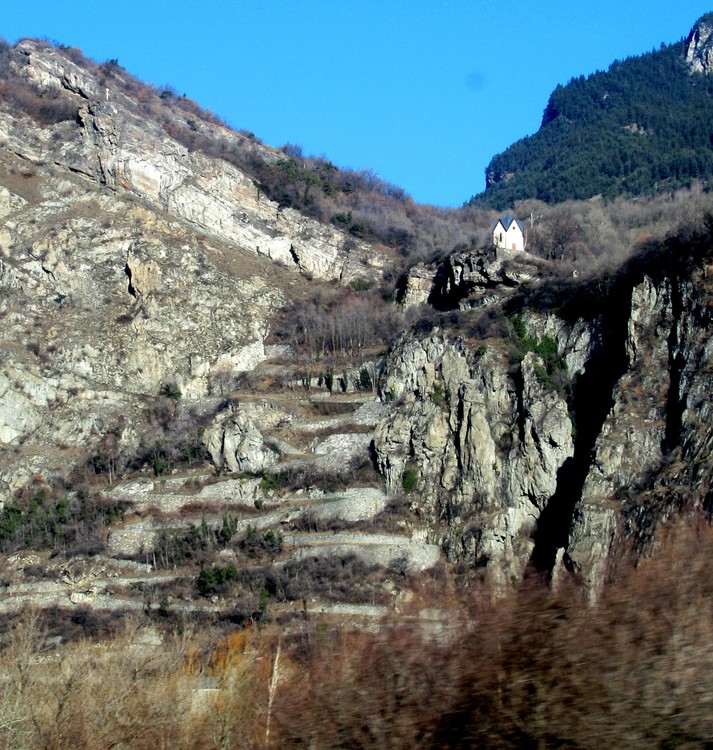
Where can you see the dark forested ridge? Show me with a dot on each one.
(643, 126)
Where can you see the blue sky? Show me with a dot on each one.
(424, 93)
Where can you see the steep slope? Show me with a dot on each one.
(104, 138)
(129, 263)
(640, 127)
(568, 442)
(140, 280)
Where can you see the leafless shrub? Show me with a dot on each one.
(533, 668)
(121, 695)
(540, 668)
(46, 107)
(335, 327)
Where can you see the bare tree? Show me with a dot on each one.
(561, 233)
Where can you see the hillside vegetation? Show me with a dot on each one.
(357, 201)
(642, 126)
(537, 670)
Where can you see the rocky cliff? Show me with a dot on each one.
(572, 440)
(699, 46)
(114, 145)
(486, 445)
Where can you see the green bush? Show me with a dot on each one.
(365, 382)
(543, 377)
(274, 482)
(158, 465)
(51, 517)
(228, 529)
(409, 480)
(518, 327)
(171, 390)
(216, 579)
(329, 379)
(551, 373)
(195, 544)
(361, 285)
(257, 544)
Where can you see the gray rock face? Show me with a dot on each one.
(699, 48)
(102, 302)
(411, 555)
(473, 279)
(118, 148)
(418, 285)
(127, 263)
(236, 444)
(354, 504)
(502, 479)
(486, 448)
(658, 432)
(575, 341)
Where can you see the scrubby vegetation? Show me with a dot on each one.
(57, 516)
(687, 246)
(540, 669)
(45, 107)
(339, 327)
(552, 372)
(596, 235)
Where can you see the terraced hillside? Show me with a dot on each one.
(313, 529)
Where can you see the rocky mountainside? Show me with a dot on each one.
(151, 428)
(140, 285)
(129, 263)
(577, 438)
(699, 50)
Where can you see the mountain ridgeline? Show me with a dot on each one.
(643, 126)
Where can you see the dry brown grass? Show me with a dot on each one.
(127, 693)
(537, 670)
(533, 669)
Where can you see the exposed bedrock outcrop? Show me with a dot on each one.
(699, 47)
(486, 445)
(139, 279)
(651, 457)
(112, 144)
(235, 443)
(478, 279)
(512, 473)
